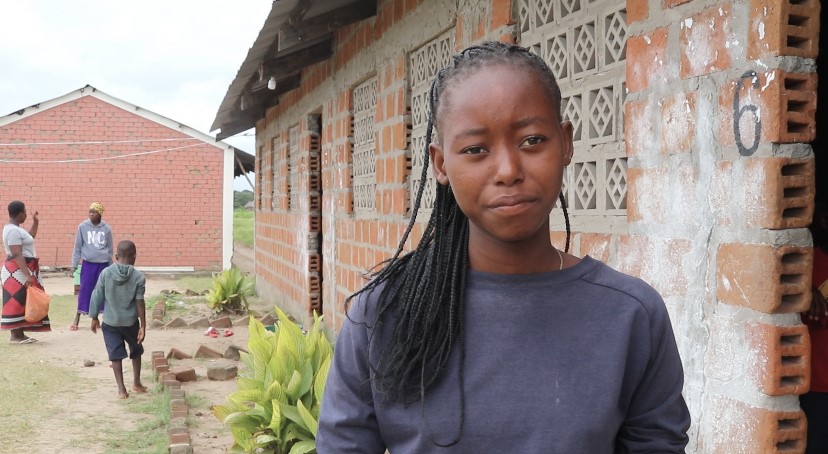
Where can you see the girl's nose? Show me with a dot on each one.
(509, 168)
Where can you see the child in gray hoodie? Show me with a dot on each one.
(124, 321)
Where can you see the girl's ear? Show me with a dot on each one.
(566, 136)
(435, 152)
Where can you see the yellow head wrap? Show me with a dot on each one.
(97, 206)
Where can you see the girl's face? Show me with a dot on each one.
(503, 149)
(94, 216)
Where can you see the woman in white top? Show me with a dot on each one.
(20, 269)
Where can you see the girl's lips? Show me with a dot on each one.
(512, 200)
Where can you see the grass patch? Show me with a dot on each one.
(27, 385)
(195, 401)
(151, 434)
(62, 310)
(183, 307)
(243, 227)
(197, 283)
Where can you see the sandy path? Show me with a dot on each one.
(97, 400)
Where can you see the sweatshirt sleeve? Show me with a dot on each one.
(97, 296)
(657, 419)
(76, 252)
(140, 288)
(348, 421)
(109, 244)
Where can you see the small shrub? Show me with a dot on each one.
(229, 292)
(275, 408)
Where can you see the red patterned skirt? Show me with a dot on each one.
(13, 280)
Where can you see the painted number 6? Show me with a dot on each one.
(739, 111)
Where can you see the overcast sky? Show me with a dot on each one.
(173, 57)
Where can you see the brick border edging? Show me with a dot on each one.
(179, 434)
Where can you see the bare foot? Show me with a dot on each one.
(139, 389)
(123, 395)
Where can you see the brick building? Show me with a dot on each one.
(693, 166)
(164, 185)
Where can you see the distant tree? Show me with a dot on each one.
(240, 198)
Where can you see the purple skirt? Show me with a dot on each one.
(89, 277)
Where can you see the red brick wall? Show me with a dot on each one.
(721, 190)
(168, 203)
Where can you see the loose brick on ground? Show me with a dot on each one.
(176, 394)
(184, 374)
(177, 322)
(172, 384)
(178, 354)
(221, 322)
(268, 319)
(203, 322)
(207, 352)
(232, 352)
(222, 371)
(181, 449)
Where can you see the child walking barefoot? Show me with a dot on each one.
(487, 338)
(124, 321)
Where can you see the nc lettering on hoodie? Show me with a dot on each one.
(93, 243)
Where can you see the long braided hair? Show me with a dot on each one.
(424, 290)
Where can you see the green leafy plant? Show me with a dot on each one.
(275, 407)
(229, 292)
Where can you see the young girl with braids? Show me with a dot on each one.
(486, 338)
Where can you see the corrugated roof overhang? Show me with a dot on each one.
(296, 34)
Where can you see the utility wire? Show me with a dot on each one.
(93, 143)
(105, 158)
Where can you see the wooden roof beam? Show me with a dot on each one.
(288, 62)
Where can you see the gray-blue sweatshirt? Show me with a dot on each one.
(581, 360)
(121, 286)
(93, 243)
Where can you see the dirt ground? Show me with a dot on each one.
(72, 348)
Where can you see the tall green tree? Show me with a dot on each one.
(241, 198)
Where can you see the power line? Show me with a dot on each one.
(105, 158)
(103, 142)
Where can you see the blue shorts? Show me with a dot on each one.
(116, 336)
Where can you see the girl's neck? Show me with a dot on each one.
(535, 255)
(14, 222)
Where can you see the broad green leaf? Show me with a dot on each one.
(221, 412)
(277, 418)
(246, 359)
(297, 432)
(241, 420)
(265, 439)
(294, 385)
(292, 413)
(307, 418)
(248, 383)
(307, 379)
(275, 392)
(282, 366)
(248, 395)
(321, 379)
(303, 447)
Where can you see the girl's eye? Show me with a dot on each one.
(472, 150)
(533, 140)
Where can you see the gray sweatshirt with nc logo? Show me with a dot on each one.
(93, 243)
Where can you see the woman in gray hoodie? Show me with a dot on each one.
(93, 247)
